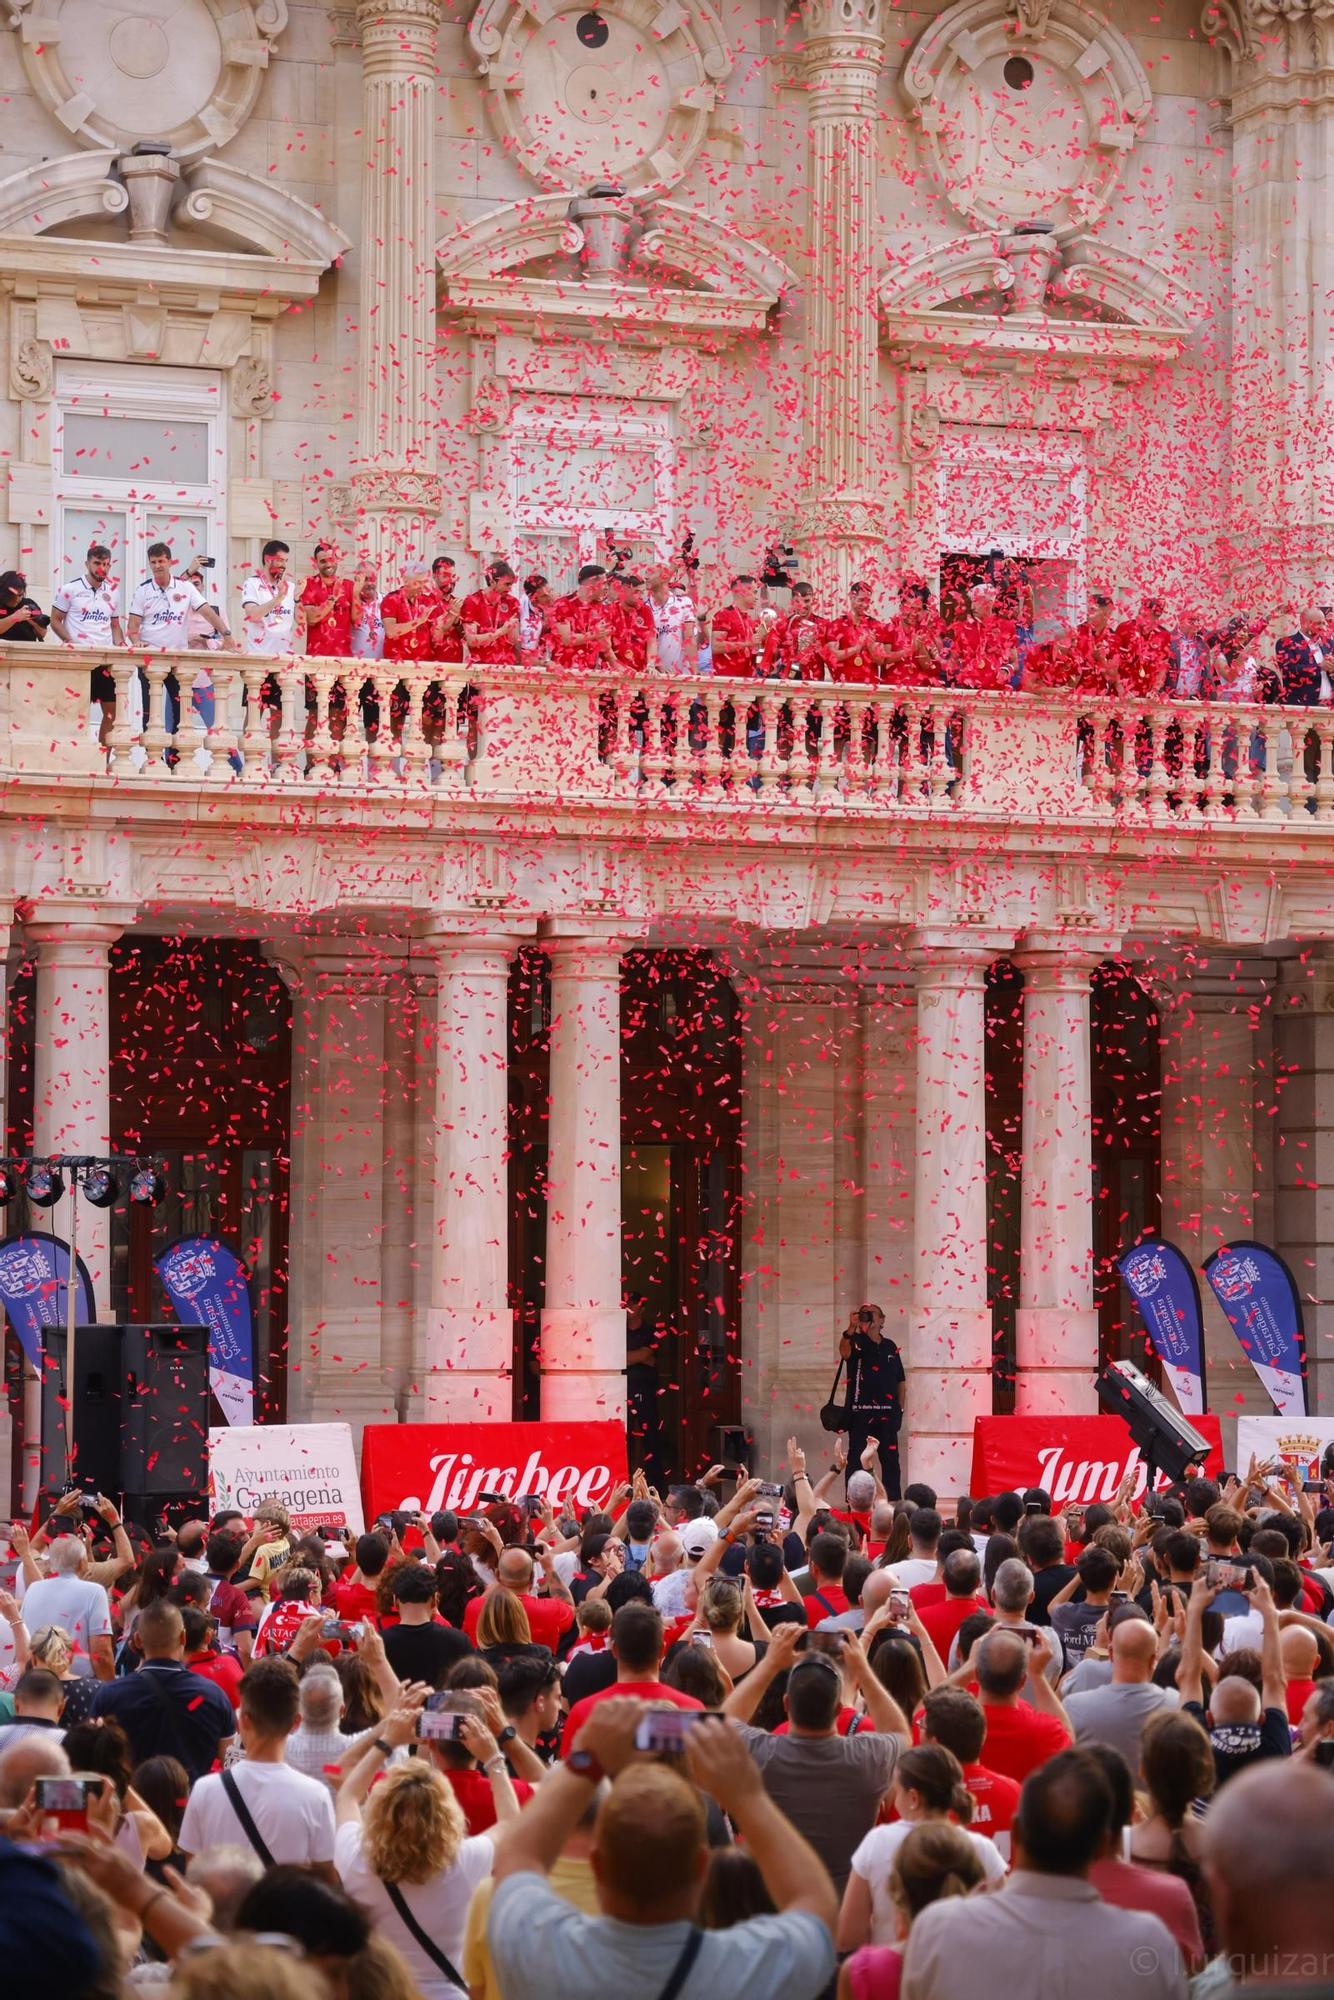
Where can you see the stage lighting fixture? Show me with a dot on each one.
(147, 1187)
(46, 1184)
(100, 1187)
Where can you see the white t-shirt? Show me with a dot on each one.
(80, 1607)
(439, 1906)
(294, 1814)
(912, 1571)
(165, 613)
(874, 1862)
(275, 636)
(367, 630)
(89, 609)
(670, 619)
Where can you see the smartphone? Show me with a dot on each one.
(825, 1642)
(765, 1519)
(469, 1521)
(90, 1500)
(665, 1729)
(532, 1504)
(444, 1716)
(334, 1628)
(702, 1639)
(1226, 1573)
(900, 1605)
(767, 1490)
(1313, 1486)
(65, 1800)
(1034, 1507)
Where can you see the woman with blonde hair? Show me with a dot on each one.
(408, 1859)
(935, 1860)
(52, 1647)
(502, 1623)
(721, 1605)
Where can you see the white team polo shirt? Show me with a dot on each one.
(164, 610)
(88, 609)
(275, 635)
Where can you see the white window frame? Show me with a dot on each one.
(127, 389)
(585, 426)
(979, 447)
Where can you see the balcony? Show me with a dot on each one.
(365, 736)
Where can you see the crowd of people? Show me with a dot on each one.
(611, 618)
(796, 1737)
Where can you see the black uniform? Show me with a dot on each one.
(875, 1405)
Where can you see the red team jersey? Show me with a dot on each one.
(332, 637)
(415, 645)
(488, 614)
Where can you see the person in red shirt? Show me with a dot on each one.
(1142, 651)
(983, 647)
(794, 649)
(633, 633)
(354, 1595)
(1301, 1657)
(447, 628)
(549, 1618)
(736, 635)
(962, 1579)
(637, 1643)
(326, 598)
(827, 1557)
(910, 641)
(491, 619)
(579, 626)
(957, 1721)
(1026, 1724)
(225, 1670)
(853, 643)
(1095, 649)
(1128, 1885)
(408, 614)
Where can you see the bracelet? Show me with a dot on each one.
(385, 1749)
(495, 1764)
(146, 1906)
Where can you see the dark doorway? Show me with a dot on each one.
(680, 1181)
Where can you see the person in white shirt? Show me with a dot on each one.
(273, 620)
(920, 1566)
(86, 612)
(291, 1816)
(367, 624)
(928, 1784)
(79, 1607)
(160, 613)
(675, 624)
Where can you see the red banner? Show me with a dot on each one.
(1081, 1459)
(430, 1466)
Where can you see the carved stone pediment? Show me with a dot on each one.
(679, 274)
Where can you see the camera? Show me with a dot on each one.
(208, 562)
(689, 560)
(780, 560)
(664, 1729)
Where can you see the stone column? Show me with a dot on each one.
(1057, 1325)
(470, 1337)
(397, 490)
(949, 1340)
(839, 521)
(1282, 388)
(1303, 1225)
(583, 1319)
(6, 922)
(71, 1093)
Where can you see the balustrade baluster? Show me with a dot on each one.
(155, 737)
(416, 751)
(1324, 788)
(220, 739)
(256, 737)
(190, 730)
(122, 739)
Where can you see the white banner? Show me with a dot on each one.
(311, 1468)
(1299, 1441)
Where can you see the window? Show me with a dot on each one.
(584, 468)
(140, 457)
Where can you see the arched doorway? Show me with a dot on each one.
(680, 1179)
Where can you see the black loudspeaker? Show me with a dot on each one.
(98, 1402)
(164, 1436)
(141, 1411)
(1167, 1443)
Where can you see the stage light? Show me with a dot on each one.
(147, 1187)
(46, 1184)
(100, 1187)
(10, 1185)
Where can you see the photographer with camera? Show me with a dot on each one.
(875, 1392)
(21, 617)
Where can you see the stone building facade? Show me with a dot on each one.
(894, 285)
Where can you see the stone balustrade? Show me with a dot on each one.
(534, 734)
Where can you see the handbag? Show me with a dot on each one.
(834, 1415)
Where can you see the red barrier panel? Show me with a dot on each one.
(1073, 1458)
(430, 1466)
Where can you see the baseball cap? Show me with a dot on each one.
(697, 1537)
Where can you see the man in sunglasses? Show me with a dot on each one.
(875, 1393)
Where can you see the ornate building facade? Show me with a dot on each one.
(899, 286)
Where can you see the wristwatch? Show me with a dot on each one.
(586, 1766)
(507, 1734)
